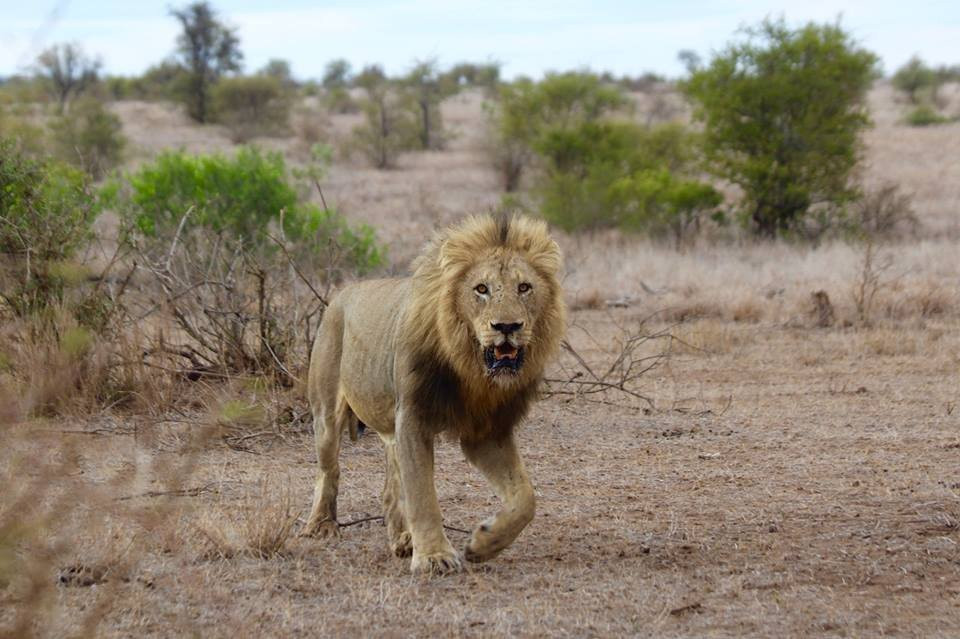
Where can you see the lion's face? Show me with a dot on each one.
(501, 298)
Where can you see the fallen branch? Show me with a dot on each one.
(364, 520)
(196, 491)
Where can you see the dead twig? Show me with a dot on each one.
(196, 491)
(363, 520)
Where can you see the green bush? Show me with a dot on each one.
(89, 137)
(165, 81)
(617, 174)
(244, 197)
(782, 114)
(659, 202)
(339, 100)
(915, 78)
(46, 214)
(17, 127)
(252, 105)
(925, 115)
(526, 111)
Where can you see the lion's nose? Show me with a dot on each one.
(505, 328)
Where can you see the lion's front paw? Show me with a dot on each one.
(484, 544)
(402, 546)
(326, 529)
(440, 563)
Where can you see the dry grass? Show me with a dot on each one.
(763, 496)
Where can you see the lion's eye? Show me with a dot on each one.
(524, 287)
(481, 289)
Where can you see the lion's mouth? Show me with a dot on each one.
(503, 358)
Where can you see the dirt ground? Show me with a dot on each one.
(787, 482)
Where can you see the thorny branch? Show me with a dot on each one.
(638, 352)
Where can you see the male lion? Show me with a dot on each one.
(458, 347)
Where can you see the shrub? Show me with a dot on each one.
(885, 212)
(915, 78)
(389, 126)
(486, 76)
(336, 75)
(240, 198)
(89, 137)
(18, 129)
(604, 174)
(339, 100)
(164, 81)
(46, 213)
(782, 113)
(925, 115)
(657, 201)
(526, 111)
(279, 70)
(251, 106)
(427, 89)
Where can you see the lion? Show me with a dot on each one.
(457, 348)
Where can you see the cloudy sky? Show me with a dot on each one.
(526, 36)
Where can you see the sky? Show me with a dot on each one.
(527, 37)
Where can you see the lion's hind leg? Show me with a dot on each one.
(330, 420)
(398, 534)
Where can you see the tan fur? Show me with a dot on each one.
(411, 358)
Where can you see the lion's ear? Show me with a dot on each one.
(542, 251)
(547, 258)
(453, 256)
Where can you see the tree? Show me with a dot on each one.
(280, 71)
(469, 74)
(208, 49)
(68, 72)
(690, 60)
(428, 88)
(782, 113)
(389, 127)
(914, 77)
(336, 75)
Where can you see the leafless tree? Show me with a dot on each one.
(68, 71)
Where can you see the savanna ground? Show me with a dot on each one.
(787, 478)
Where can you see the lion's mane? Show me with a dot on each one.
(451, 390)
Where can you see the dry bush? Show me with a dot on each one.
(889, 342)
(589, 300)
(258, 527)
(871, 277)
(311, 126)
(885, 212)
(71, 517)
(77, 356)
(746, 308)
(234, 309)
(692, 310)
(706, 336)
